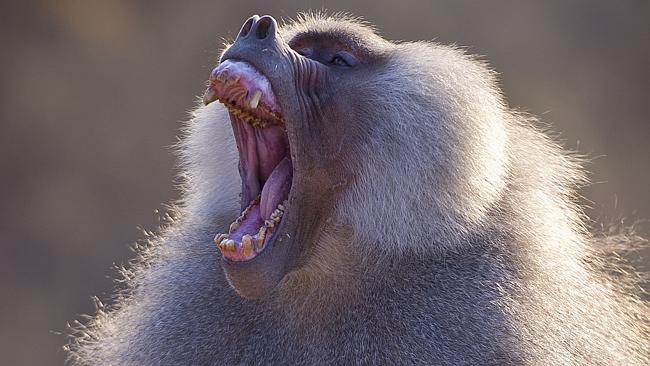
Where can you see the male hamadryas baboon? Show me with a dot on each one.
(371, 203)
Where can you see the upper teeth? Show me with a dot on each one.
(222, 76)
(248, 116)
(255, 99)
(232, 80)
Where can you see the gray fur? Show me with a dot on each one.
(461, 244)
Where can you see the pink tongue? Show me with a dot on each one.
(276, 189)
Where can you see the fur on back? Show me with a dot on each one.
(471, 246)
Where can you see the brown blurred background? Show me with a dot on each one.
(92, 94)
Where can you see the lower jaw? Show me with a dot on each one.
(267, 174)
(257, 278)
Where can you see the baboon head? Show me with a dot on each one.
(340, 131)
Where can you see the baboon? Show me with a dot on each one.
(372, 202)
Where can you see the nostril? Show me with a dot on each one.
(246, 28)
(265, 27)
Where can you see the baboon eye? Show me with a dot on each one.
(338, 60)
(343, 59)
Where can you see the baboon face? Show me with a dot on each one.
(292, 106)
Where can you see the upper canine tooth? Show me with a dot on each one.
(233, 227)
(234, 79)
(255, 99)
(222, 75)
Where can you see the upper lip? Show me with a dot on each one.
(231, 72)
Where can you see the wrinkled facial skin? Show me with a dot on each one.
(313, 78)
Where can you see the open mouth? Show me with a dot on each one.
(264, 157)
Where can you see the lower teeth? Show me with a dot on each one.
(249, 243)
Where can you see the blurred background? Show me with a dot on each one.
(92, 93)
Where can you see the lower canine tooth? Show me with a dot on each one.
(222, 245)
(229, 245)
(269, 223)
